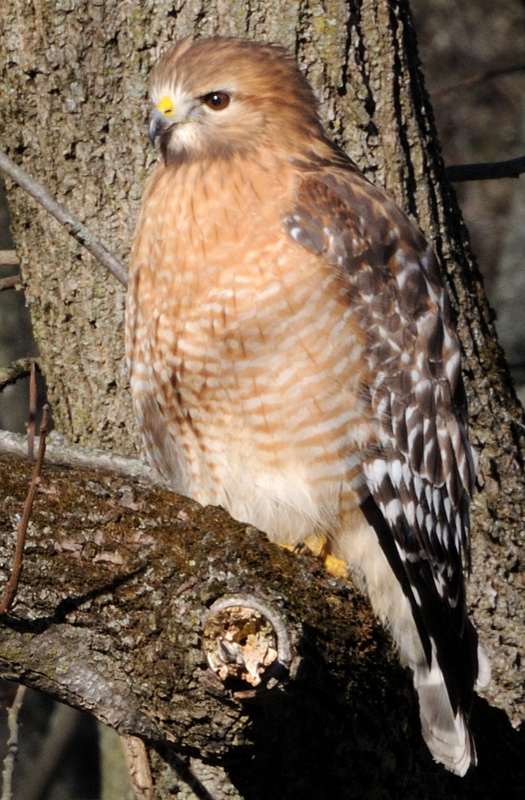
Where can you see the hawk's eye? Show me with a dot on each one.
(217, 101)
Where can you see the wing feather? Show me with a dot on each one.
(420, 472)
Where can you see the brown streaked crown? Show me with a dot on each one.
(269, 98)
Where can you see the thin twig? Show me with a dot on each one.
(468, 82)
(14, 578)
(11, 282)
(491, 170)
(8, 258)
(16, 370)
(32, 414)
(12, 743)
(136, 757)
(73, 226)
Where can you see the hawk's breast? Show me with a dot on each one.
(245, 352)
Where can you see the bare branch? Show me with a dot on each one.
(8, 258)
(12, 743)
(16, 370)
(73, 226)
(136, 757)
(60, 451)
(11, 282)
(492, 170)
(14, 578)
(31, 428)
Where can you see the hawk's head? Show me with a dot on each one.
(220, 96)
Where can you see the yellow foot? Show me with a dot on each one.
(318, 545)
(336, 567)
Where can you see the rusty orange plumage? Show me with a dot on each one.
(293, 357)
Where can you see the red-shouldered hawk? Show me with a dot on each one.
(293, 357)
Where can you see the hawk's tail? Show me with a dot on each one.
(446, 732)
(447, 735)
(444, 686)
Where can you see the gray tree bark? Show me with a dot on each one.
(73, 110)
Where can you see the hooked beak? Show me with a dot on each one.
(158, 125)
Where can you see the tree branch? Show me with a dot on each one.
(8, 258)
(12, 743)
(20, 368)
(11, 282)
(72, 225)
(60, 451)
(21, 530)
(491, 170)
(119, 593)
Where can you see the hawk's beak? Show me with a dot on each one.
(159, 124)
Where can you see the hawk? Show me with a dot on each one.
(293, 356)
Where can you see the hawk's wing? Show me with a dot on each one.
(420, 472)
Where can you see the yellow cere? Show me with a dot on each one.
(166, 106)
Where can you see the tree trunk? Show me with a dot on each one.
(73, 110)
